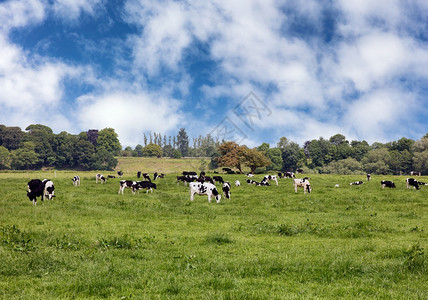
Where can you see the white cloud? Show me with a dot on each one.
(72, 9)
(130, 114)
(20, 13)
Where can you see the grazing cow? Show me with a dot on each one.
(205, 188)
(226, 189)
(300, 171)
(387, 183)
(270, 177)
(289, 175)
(411, 182)
(237, 183)
(156, 175)
(185, 179)
(100, 177)
(148, 185)
(146, 176)
(262, 183)
(126, 184)
(228, 170)
(76, 180)
(120, 174)
(138, 174)
(249, 175)
(49, 189)
(422, 183)
(185, 173)
(218, 178)
(111, 176)
(369, 176)
(202, 174)
(250, 181)
(205, 179)
(415, 173)
(356, 183)
(304, 182)
(35, 189)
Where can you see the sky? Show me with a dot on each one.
(250, 71)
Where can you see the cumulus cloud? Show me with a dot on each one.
(72, 9)
(20, 13)
(130, 114)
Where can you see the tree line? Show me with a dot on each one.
(38, 147)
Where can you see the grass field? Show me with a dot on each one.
(263, 243)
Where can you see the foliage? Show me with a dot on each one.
(152, 150)
(5, 158)
(183, 142)
(108, 139)
(231, 155)
(254, 159)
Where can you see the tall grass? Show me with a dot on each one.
(263, 243)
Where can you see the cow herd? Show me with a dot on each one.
(198, 184)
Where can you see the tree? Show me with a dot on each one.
(103, 160)
(255, 159)
(83, 154)
(43, 139)
(64, 148)
(25, 157)
(108, 139)
(291, 157)
(275, 157)
(5, 158)
(420, 162)
(377, 161)
(152, 150)
(12, 137)
(139, 150)
(183, 142)
(231, 155)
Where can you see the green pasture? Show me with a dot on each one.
(355, 242)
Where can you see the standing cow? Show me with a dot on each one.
(304, 182)
(204, 188)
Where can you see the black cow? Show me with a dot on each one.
(138, 174)
(148, 185)
(205, 179)
(411, 182)
(387, 183)
(218, 178)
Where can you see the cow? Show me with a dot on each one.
(49, 189)
(185, 179)
(138, 174)
(237, 183)
(356, 183)
(204, 188)
(299, 171)
(411, 182)
(262, 183)
(415, 173)
(205, 179)
(218, 178)
(250, 181)
(76, 180)
(100, 177)
(120, 174)
(289, 175)
(148, 185)
(35, 189)
(369, 176)
(126, 184)
(270, 177)
(202, 174)
(156, 175)
(146, 176)
(303, 182)
(186, 173)
(226, 189)
(422, 183)
(249, 175)
(387, 183)
(111, 176)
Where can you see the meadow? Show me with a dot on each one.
(263, 243)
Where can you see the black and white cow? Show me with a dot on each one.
(415, 173)
(270, 177)
(76, 180)
(120, 174)
(35, 189)
(289, 175)
(250, 181)
(148, 185)
(369, 176)
(299, 171)
(205, 179)
(262, 183)
(356, 183)
(226, 189)
(387, 183)
(191, 173)
(218, 178)
(237, 183)
(100, 177)
(185, 179)
(49, 190)
(146, 176)
(249, 175)
(204, 188)
(111, 176)
(411, 182)
(138, 174)
(126, 184)
(303, 182)
(156, 175)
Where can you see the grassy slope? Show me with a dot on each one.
(266, 242)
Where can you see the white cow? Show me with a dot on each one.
(237, 183)
(49, 189)
(76, 180)
(100, 177)
(304, 182)
(226, 189)
(204, 188)
(270, 177)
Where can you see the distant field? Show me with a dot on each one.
(355, 242)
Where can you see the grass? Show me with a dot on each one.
(263, 243)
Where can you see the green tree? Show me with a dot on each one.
(231, 155)
(318, 150)
(359, 149)
(5, 158)
(83, 154)
(377, 161)
(103, 160)
(254, 159)
(345, 166)
(275, 157)
(183, 142)
(108, 139)
(139, 150)
(25, 157)
(152, 150)
(64, 148)
(291, 156)
(176, 154)
(12, 137)
(43, 138)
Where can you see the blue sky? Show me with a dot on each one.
(250, 71)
